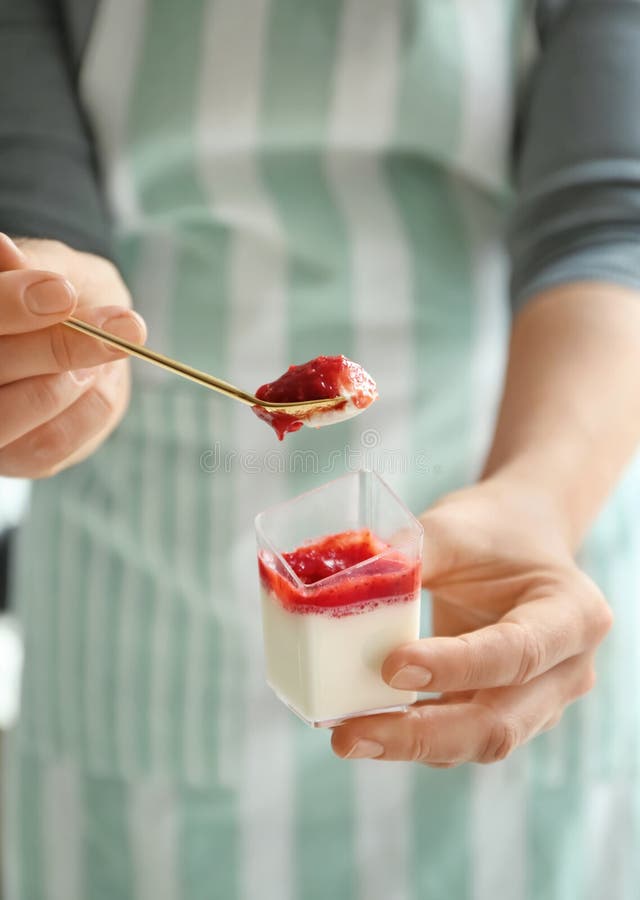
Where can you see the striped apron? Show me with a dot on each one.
(290, 178)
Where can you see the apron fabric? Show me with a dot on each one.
(291, 178)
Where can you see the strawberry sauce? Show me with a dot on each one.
(320, 379)
(390, 579)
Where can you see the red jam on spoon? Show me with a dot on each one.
(320, 379)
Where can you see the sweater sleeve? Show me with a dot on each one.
(577, 215)
(49, 185)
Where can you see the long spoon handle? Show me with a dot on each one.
(164, 362)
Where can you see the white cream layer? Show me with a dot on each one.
(328, 667)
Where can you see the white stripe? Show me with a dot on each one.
(487, 89)
(498, 829)
(62, 831)
(36, 613)
(153, 836)
(105, 87)
(235, 34)
(489, 273)
(11, 659)
(610, 843)
(360, 127)
(153, 294)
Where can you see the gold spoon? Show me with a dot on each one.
(215, 384)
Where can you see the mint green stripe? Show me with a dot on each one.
(556, 820)
(298, 83)
(209, 861)
(145, 612)
(106, 849)
(443, 316)
(128, 250)
(77, 639)
(162, 133)
(223, 625)
(441, 852)
(178, 604)
(428, 122)
(32, 874)
(429, 101)
(109, 639)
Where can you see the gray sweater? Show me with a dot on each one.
(576, 147)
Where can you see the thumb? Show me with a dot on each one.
(11, 256)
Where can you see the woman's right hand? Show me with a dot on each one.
(61, 393)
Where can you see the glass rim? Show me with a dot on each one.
(298, 583)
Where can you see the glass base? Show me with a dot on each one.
(331, 723)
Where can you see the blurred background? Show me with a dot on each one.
(14, 496)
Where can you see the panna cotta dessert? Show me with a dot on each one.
(324, 378)
(333, 609)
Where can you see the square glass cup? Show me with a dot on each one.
(325, 642)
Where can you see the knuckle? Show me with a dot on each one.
(103, 402)
(586, 682)
(43, 394)
(419, 749)
(60, 348)
(51, 444)
(469, 673)
(602, 620)
(502, 739)
(109, 397)
(530, 653)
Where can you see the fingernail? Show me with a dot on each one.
(365, 749)
(411, 678)
(124, 325)
(52, 295)
(83, 376)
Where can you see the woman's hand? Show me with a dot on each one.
(492, 554)
(61, 392)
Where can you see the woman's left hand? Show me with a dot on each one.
(517, 627)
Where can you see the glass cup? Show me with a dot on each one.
(325, 642)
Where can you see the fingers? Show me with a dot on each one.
(59, 349)
(29, 403)
(530, 640)
(486, 729)
(31, 300)
(71, 435)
